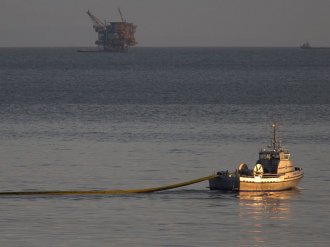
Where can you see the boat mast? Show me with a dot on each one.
(275, 143)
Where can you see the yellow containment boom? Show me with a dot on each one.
(108, 192)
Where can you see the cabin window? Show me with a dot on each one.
(285, 156)
(265, 156)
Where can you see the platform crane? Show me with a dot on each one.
(97, 24)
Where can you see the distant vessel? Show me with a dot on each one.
(273, 171)
(113, 36)
(306, 45)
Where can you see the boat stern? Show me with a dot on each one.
(224, 181)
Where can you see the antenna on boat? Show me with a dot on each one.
(275, 142)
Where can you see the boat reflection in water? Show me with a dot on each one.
(263, 214)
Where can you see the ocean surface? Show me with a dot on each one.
(157, 116)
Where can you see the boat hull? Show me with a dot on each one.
(236, 183)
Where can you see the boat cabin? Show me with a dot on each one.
(271, 159)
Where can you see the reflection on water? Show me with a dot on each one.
(275, 204)
(263, 214)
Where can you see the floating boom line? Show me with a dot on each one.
(108, 192)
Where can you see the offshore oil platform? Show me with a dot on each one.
(113, 36)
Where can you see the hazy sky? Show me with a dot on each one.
(169, 22)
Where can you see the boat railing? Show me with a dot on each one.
(271, 175)
(265, 175)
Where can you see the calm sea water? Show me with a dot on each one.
(156, 116)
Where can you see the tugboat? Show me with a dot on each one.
(273, 171)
